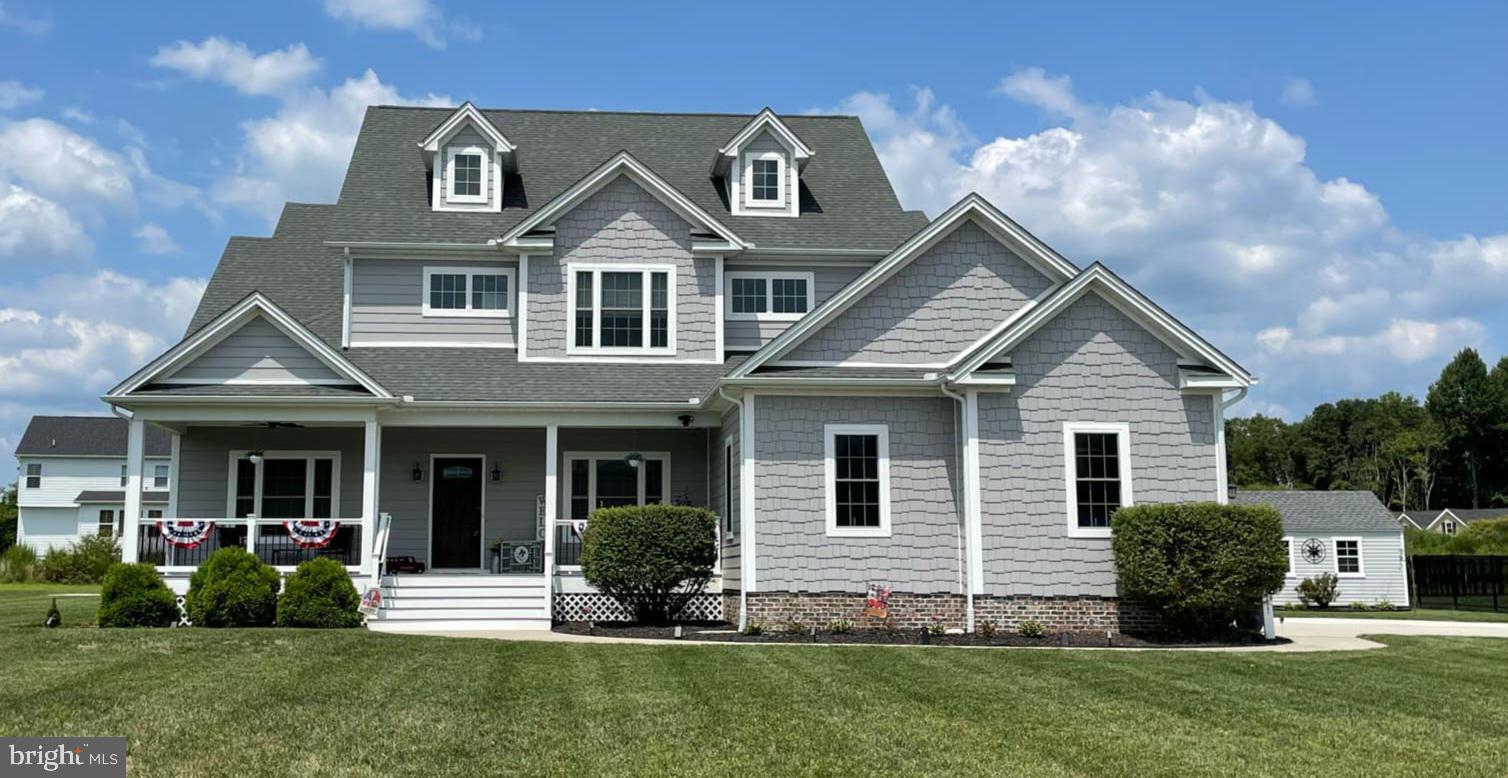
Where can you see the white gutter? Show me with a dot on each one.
(962, 498)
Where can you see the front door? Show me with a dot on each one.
(456, 512)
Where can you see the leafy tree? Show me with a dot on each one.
(1468, 406)
(7, 517)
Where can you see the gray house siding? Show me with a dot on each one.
(466, 137)
(942, 302)
(1091, 363)
(204, 474)
(387, 305)
(258, 351)
(1382, 566)
(924, 550)
(724, 493)
(623, 224)
(750, 335)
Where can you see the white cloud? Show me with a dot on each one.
(233, 64)
(153, 239)
(59, 162)
(35, 26)
(14, 94)
(420, 17)
(74, 113)
(31, 225)
(300, 154)
(1298, 93)
(1212, 209)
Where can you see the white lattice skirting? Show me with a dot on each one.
(600, 607)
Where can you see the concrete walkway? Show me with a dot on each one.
(1306, 634)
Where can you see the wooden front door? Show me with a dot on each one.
(456, 512)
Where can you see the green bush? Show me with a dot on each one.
(1319, 591)
(133, 595)
(1031, 629)
(840, 626)
(1480, 537)
(232, 589)
(319, 594)
(84, 562)
(18, 564)
(652, 559)
(1199, 565)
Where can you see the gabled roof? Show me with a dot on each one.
(1099, 279)
(1465, 516)
(1405, 517)
(466, 114)
(972, 208)
(85, 436)
(1325, 512)
(622, 164)
(764, 120)
(252, 306)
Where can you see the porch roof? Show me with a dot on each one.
(250, 390)
(118, 497)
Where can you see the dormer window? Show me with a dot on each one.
(468, 175)
(766, 174)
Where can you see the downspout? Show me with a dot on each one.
(1240, 395)
(962, 502)
(743, 595)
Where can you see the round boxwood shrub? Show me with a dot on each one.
(232, 589)
(1201, 566)
(652, 559)
(319, 594)
(133, 595)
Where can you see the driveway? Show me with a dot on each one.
(1321, 634)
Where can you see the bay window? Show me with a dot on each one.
(622, 308)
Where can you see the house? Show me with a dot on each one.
(510, 318)
(72, 476)
(1449, 521)
(1350, 534)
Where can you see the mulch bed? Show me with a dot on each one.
(720, 631)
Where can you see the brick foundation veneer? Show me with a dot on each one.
(909, 611)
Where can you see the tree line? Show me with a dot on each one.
(1449, 451)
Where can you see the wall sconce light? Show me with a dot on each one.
(685, 419)
(255, 457)
(418, 472)
(497, 473)
(634, 459)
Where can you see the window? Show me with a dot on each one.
(107, 523)
(1449, 527)
(159, 476)
(155, 513)
(621, 308)
(1097, 467)
(461, 291)
(769, 296)
(1348, 557)
(122, 476)
(468, 175)
(606, 480)
(857, 463)
(1288, 555)
(285, 485)
(765, 179)
(730, 528)
(34, 475)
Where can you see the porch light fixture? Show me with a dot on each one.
(497, 473)
(418, 472)
(634, 459)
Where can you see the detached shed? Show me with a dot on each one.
(1350, 534)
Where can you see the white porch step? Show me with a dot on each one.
(459, 602)
(460, 625)
(456, 581)
(409, 602)
(430, 614)
(461, 592)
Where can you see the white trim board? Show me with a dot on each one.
(1122, 432)
(830, 474)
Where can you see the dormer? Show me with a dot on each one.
(468, 159)
(762, 166)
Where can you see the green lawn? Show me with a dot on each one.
(1423, 614)
(285, 702)
(25, 605)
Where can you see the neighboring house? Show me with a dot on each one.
(1449, 521)
(1349, 534)
(510, 318)
(72, 476)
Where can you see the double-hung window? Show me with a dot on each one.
(34, 475)
(766, 180)
(468, 175)
(160, 476)
(1097, 466)
(285, 485)
(609, 480)
(106, 526)
(123, 480)
(768, 296)
(621, 308)
(856, 459)
(1348, 557)
(461, 291)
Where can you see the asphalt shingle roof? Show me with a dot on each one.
(85, 436)
(1325, 512)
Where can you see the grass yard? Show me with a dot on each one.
(25, 605)
(281, 702)
(1419, 614)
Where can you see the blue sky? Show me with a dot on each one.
(1319, 188)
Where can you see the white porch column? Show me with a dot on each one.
(131, 523)
(176, 447)
(552, 510)
(371, 459)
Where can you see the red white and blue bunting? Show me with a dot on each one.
(311, 534)
(185, 534)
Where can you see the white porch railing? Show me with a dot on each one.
(268, 539)
(379, 544)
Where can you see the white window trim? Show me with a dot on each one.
(830, 476)
(1288, 544)
(150, 481)
(469, 312)
(308, 457)
(1122, 432)
(768, 276)
(592, 457)
(450, 174)
(28, 475)
(122, 476)
(597, 269)
(1361, 566)
(781, 170)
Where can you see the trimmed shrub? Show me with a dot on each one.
(18, 564)
(1319, 591)
(133, 595)
(652, 559)
(1199, 565)
(84, 562)
(319, 594)
(1031, 629)
(232, 589)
